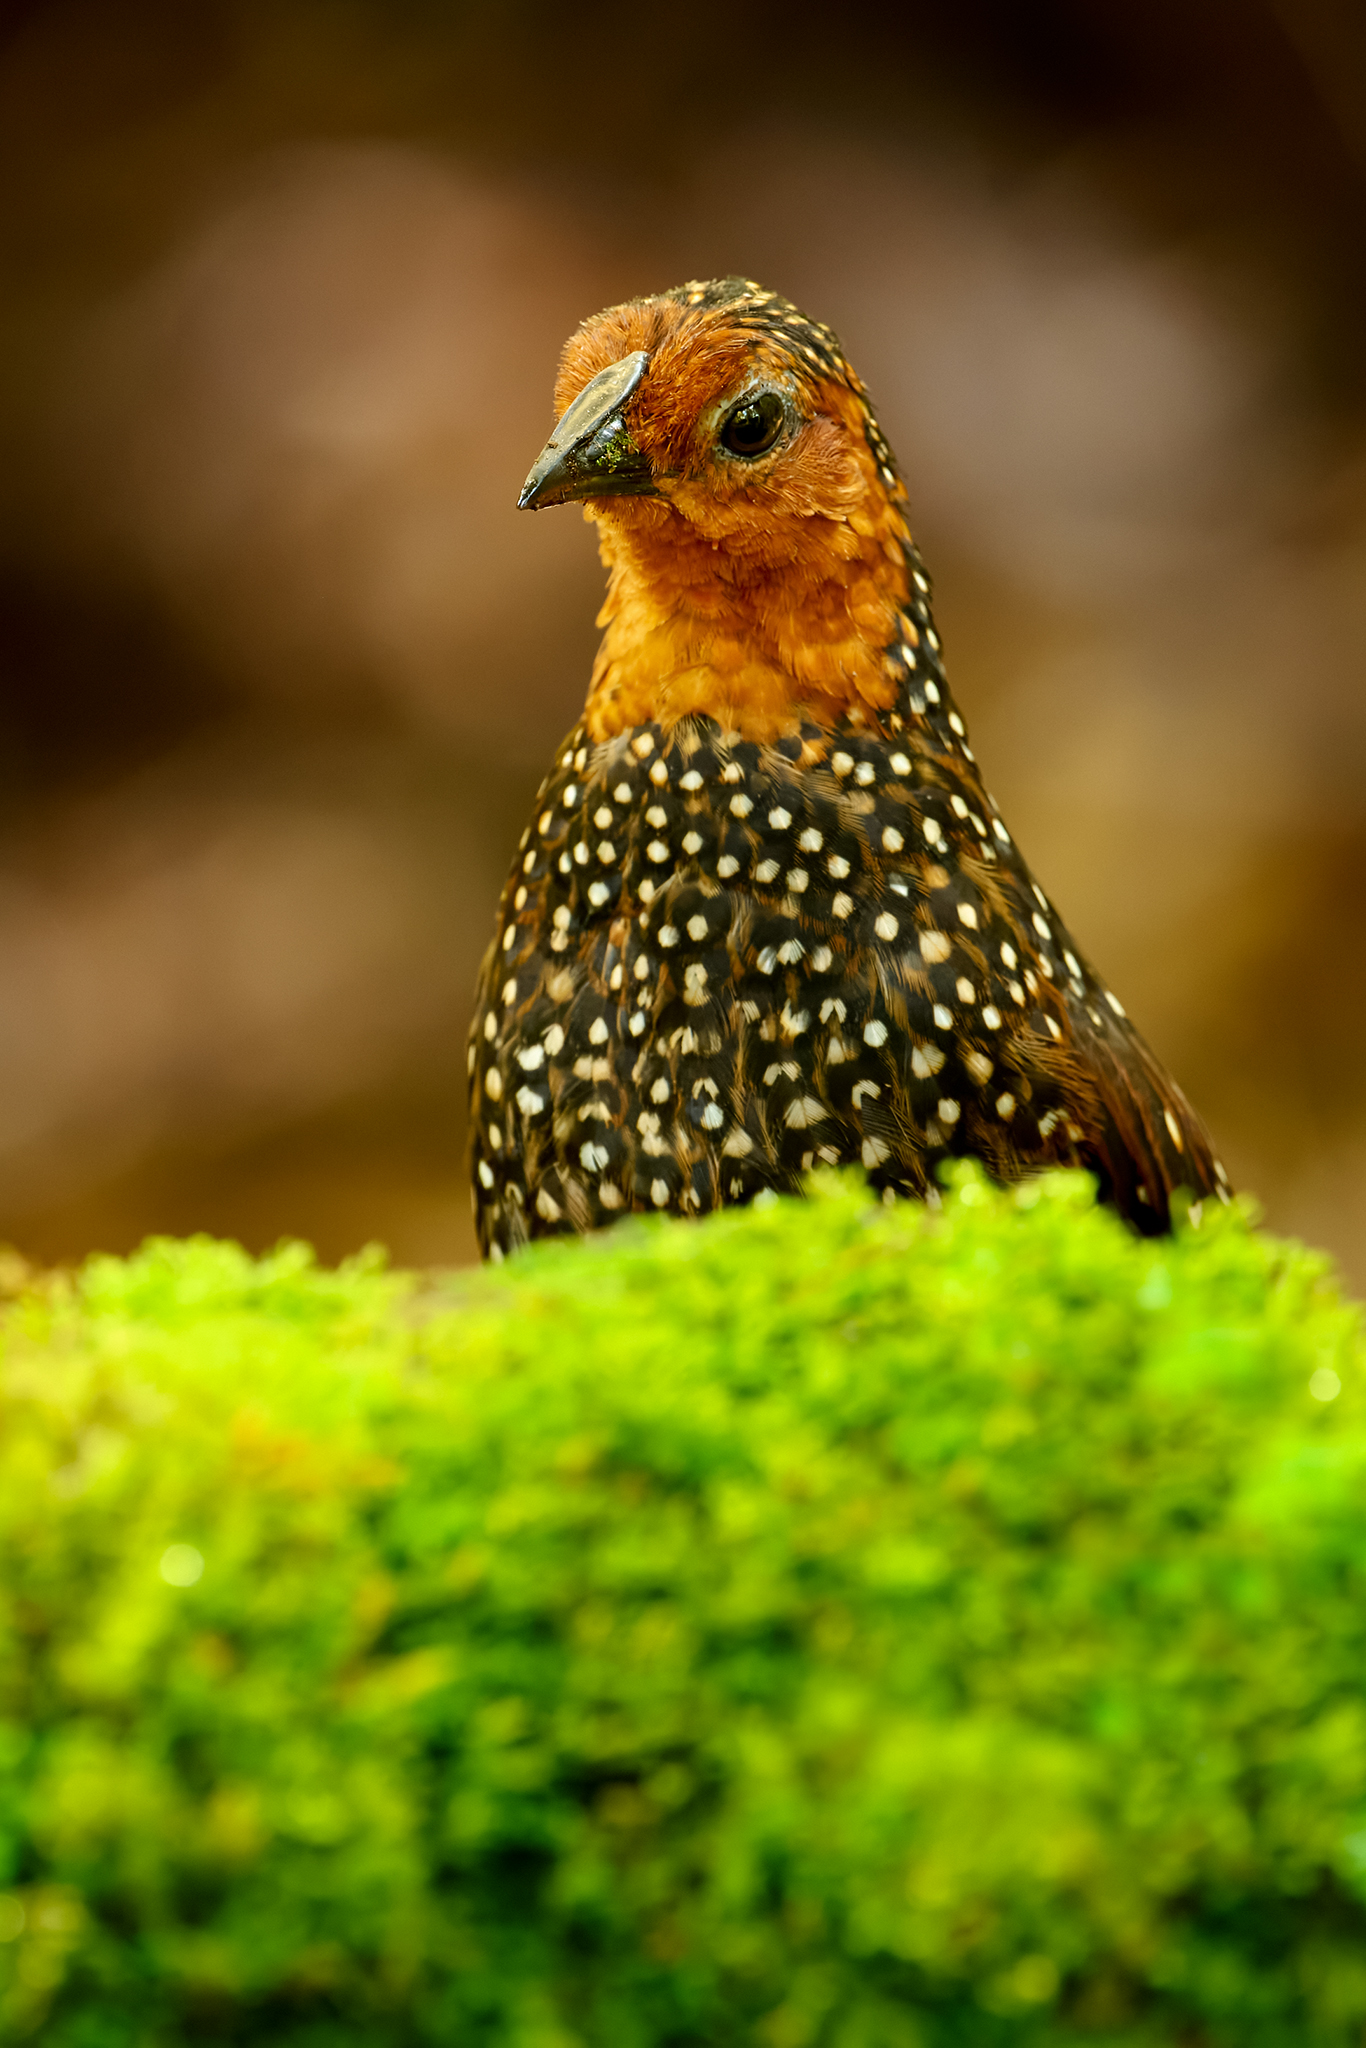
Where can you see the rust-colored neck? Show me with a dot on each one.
(763, 624)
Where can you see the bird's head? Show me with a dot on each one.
(747, 505)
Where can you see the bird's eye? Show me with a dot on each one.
(754, 425)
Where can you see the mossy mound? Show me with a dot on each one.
(823, 1627)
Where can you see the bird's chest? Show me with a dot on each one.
(717, 967)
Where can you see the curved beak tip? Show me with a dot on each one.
(591, 453)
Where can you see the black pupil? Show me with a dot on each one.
(753, 426)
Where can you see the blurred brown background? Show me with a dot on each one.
(283, 288)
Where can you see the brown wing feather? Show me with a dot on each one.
(1143, 1140)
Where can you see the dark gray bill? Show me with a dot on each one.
(590, 454)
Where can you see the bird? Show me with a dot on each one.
(766, 917)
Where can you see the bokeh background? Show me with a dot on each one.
(284, 282)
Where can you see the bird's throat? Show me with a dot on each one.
(761, 646)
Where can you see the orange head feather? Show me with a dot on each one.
(760, 556)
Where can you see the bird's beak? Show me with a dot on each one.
(591, 454)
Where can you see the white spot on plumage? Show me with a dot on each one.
(875, 1032)
(886, 926)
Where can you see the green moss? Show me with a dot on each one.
(831, 1625)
